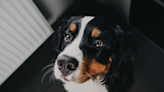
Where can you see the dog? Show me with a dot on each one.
(94, 55)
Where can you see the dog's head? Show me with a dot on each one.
(90, 48)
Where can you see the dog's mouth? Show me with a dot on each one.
(65, 78)
(68, 78)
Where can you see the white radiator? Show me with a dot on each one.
(22, 30)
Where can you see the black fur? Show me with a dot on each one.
(118, 45)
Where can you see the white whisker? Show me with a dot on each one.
(47, 72)
(56, 50)
(52, 61)
(50, 65)
(89, 75)
(52, 77)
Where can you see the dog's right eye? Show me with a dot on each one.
(68, 37)
(97, 44)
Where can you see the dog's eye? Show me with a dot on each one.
(97, 44)
(68, 37)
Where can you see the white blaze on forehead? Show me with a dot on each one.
(73, 49)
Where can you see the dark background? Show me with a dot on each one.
(146, 23)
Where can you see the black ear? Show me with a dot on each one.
(124, 51)
(58, 31)
(121, 71)
(58, 38)
(59, 27)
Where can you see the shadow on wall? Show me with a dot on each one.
(52, 9)
(123, 6)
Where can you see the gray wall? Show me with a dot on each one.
(52, 9)
(123, 6)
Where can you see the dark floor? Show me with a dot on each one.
(148, 74)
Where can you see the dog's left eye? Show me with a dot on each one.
(68, 37)
(97, 44)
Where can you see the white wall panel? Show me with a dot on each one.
(22, 30)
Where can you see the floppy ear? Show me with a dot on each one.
(124, 51)
(58, 28)
(121, 73)
(57, 38)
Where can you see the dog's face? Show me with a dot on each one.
(87, 45)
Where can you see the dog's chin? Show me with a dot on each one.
(65, 80)
(78, 80)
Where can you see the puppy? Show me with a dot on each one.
(95, 55)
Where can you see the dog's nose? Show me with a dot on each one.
(67, 65)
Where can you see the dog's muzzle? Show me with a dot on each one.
(66, 65)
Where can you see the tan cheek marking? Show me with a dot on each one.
(95, 33)
(110, 61)
(96, 68)
(93, 68)
(72, 27)
(83, 70)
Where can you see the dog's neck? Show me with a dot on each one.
(88, 86)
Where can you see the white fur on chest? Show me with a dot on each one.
(89, 86)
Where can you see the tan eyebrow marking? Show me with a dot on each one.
(72, 27)
(95, 33)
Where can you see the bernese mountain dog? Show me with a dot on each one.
(95, 55)
(95, 51)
